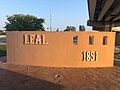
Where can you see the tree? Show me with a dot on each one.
(81, 28)
(57, 30)
(20, 22)
(2, 32)
(70, 28)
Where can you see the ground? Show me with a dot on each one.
(23, 77)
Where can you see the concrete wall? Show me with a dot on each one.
(60, 50)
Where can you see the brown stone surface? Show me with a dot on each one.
(19, 77)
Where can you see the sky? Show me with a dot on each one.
(64, 12)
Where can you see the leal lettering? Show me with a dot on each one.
(34, 39)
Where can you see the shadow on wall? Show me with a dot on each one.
(10, 80)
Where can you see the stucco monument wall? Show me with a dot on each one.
(61, 49)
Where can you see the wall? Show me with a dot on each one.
(60, 50)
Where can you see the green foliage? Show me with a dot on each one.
(70, 28)
(81, 28)
(2, 32)
(117, 55)
(20, 22)
(2, 50)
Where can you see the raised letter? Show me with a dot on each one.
(92, 56)
(26, 39)
(96, 56)
(44, 39)
(38, 39)
(88, 56)
(32, 39)
(84, 55)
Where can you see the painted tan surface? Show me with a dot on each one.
(60, 50)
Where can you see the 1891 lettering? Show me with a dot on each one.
(90, 55)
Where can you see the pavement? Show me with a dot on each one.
(23, 77)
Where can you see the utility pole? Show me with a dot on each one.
(50, 21)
